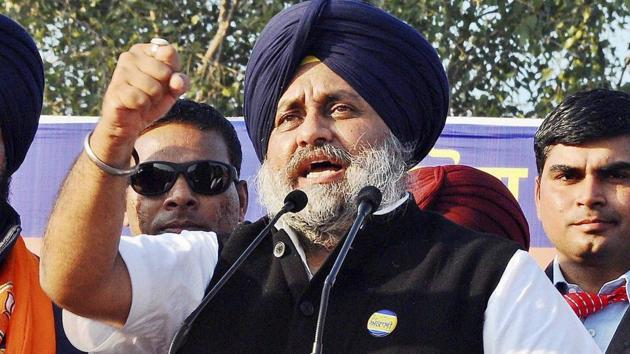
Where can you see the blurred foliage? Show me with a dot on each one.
(514, 58)
(520, 58)
(81, 40)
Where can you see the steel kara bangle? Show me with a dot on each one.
(102, 165)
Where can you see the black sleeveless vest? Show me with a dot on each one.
(435, 276)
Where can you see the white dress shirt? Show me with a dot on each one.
(602, 324)
(169, 274)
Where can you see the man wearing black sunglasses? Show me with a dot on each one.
(187, 176)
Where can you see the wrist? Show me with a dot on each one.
(112, 170)
(105, 148)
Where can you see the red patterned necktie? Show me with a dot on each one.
(585, 304)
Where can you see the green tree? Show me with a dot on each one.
(520, 58)
(81, 40)
(515, 58)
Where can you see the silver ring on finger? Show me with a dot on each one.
(156, 43)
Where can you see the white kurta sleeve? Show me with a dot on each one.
(526, 314)
(169, 274)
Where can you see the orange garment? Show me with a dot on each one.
(26, 315)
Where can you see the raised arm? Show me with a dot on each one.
(81, 269)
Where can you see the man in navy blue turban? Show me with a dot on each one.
(21, 92)
(28, 323)
(339, 95)
(392, 66)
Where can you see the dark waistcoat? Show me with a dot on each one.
(620, 342)
(434, 275)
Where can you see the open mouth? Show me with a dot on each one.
(319, 168)
(176, 228)
(171, 230)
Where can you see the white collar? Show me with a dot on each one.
(609, 286)
(388, 208)
(384, 209)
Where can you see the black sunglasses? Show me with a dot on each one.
(206, 177)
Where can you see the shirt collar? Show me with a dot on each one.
(388, 208)
(383, 210)
(558, 278)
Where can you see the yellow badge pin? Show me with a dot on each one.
(382, 323)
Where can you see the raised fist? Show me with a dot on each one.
(144, 86)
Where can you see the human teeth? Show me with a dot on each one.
(318, 174)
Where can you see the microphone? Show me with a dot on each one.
(294, 201)
(368, 200)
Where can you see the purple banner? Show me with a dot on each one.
(501, 147)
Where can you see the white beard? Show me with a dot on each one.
(331, 208)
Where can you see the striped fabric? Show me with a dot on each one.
(585, 304)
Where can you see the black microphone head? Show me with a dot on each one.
(295, 201)
(371, 195)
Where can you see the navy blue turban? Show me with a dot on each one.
(392, 66)
(21, 91)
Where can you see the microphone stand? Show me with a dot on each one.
(365, 208)
(294, 205)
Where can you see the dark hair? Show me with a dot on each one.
(204, 118)
(581, 118)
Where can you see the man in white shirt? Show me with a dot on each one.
(583, 200)
(324, 123)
